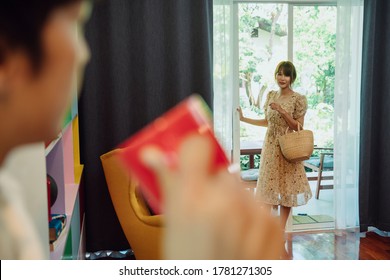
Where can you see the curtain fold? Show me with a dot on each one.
(347, 112)
(374, 194)
(147, 56)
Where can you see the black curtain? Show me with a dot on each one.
(374, 193)
(147, 55)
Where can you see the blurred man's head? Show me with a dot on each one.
(41, 57)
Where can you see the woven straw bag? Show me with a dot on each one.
(297, 145)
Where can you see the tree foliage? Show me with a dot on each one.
(315, 44)
(314, 48)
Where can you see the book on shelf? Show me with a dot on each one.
(56, 227)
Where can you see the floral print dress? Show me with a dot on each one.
(281, 182)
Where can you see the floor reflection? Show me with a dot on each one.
(332, 245)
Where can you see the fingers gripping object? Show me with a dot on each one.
(166, 133)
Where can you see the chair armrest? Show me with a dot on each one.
(140, 208)
(311, 166)
(322, 158)
(319, 162)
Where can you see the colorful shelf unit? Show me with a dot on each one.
(63, 165)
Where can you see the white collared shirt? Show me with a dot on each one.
(18, 236)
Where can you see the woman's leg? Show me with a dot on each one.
(284, 213)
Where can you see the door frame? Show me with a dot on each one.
(290, 56)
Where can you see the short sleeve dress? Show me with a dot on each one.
(281, 182)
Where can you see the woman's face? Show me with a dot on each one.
(283, 80)
(39, 100)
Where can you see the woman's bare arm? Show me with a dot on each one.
(258, 122)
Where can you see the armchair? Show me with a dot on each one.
(143, 231)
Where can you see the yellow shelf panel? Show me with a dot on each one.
(78, 172)
(76, 141)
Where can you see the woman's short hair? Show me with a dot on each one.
(21, 24)
(288, 69)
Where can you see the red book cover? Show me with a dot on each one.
(191, 116)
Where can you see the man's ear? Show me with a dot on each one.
(15, 72)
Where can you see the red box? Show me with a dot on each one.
(191, 116)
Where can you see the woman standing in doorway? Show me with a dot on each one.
(281, 183)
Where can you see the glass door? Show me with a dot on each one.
(305, 34)
(314, 49)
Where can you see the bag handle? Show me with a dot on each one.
(299, 125)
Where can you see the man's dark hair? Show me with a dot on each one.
(21, 24)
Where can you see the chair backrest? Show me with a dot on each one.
(142, 230)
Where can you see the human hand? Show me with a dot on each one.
(239, 110)
(209, 215)
(276, 106)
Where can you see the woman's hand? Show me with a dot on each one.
(239, 110)
(293, 124)
(276, 106)
(209, 215)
